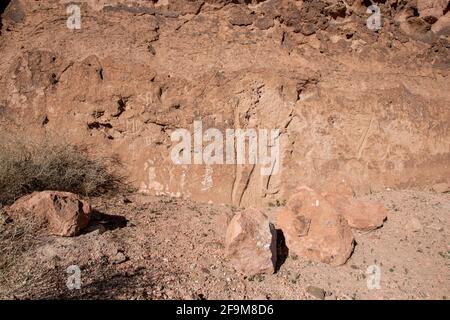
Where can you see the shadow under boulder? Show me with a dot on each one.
(101, 222)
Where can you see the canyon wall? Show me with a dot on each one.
(371, 107)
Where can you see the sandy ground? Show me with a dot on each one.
(142, 247)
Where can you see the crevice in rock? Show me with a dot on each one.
(98, 125)
(282, 250)
(53, 79)
(447, 9)
(247, 183)
(98, 113)
(45, 120)
(121, 107)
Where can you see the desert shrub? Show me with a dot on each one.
(28, 165)
(15, 240)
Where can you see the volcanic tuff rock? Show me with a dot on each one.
(370, 106)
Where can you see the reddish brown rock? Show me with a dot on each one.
(432, 10)
(264, 23)
(336, 10)
(240, 17)
(442, 26)
(359, 214)
(250, 242)
(314, 230)
(59, 213)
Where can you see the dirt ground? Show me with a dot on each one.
(143, 247)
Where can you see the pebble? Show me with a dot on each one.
(120, 257)
(316, 292)
(414, 225)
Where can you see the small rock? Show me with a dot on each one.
(316, 292)
(95, 229)
(250, 242)
(264, 23)
(119, 258)
(293, 277)
(239, 17)
(307, 29)
(414, 225)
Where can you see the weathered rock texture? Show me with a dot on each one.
(432, 10)
(314, 230)
(251, 243)
(361, 215)
(58, 213)
(368, 106)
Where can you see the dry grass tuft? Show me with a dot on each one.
(16, 239)
(41, 164)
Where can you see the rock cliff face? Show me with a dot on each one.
(371, 107)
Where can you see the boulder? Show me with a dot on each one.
(250, 242)
(59, 213)
(442, 26)
(361, 215)
(432, 10)
(314, 229)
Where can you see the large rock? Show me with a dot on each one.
(251, 243)
(314, 230)
(59, 213)
(432, 10)
(361, 215)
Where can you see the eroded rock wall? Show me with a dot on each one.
(370, 107)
